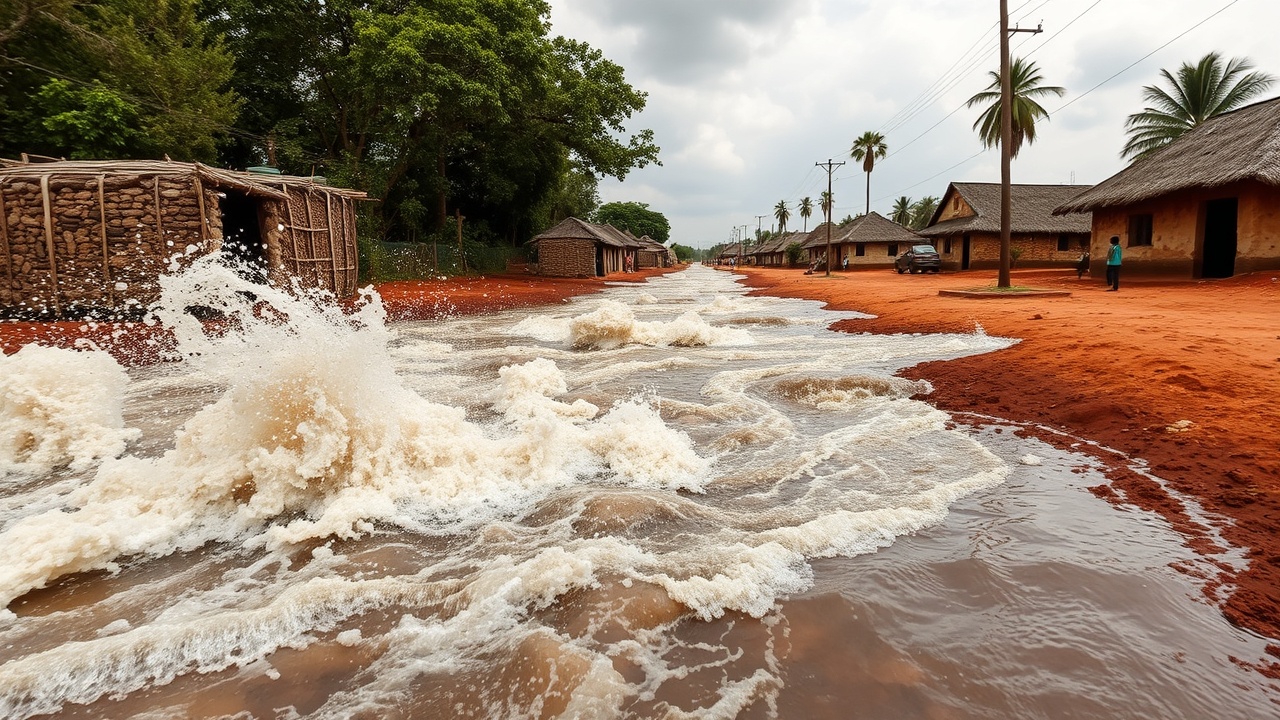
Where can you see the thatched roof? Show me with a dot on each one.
(730, 250)
(875, 228)
(255, 184)
(818, 235)
(780, 243)
(1240, 145)
(577, 229)
(1033, 210)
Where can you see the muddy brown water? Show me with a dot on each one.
(669, 501)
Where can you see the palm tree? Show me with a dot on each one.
(868, 148)
(781, 212)
(806, 209)
(922, 212)
(1198, 93)
(826, 201)
(1024, 79)
(901, 210)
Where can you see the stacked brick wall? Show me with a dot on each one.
(77, 245)
(567, 257)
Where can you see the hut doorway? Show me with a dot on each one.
(242, 239)
(964, 253)
(599, 260)
(1218, 253)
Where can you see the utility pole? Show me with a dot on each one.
(831, 200)
(1006, 140)
(741, 239)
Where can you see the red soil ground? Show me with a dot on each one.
(1123, 369)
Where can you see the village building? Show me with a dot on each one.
(965, 229)
(815, 243)
(773, 252)
(732, 252)
(1205, 206)
(577, 248)
(653, 254)
(92, 238)
(868, 241)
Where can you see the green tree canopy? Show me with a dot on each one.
(684, 253)
(901, 211)
(463, 105)
(782, 213)
(868, 147)
(1025, 80)
(636, 217)
(806, 210)
(113, 79)
(1195, 94)
(922, 212)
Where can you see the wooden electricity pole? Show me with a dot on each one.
(1006, 141)
(831, 201)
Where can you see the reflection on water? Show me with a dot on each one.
(670, 500)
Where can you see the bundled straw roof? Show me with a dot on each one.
(779, 243)
(1240, 145)
(873, 228)
(257, 185)
(1033, 210)
(582, 230)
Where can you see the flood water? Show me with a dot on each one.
(668, 500)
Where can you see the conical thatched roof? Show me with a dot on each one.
(1033, 210)
(818, 235)
(577, 229)
(1240, 145)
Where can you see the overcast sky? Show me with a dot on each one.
(746, 95)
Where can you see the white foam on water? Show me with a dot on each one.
(325, 424)
(317, 436)
(613, 325)
(60, 407)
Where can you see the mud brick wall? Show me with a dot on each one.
(77, 245)
(567, 257)
(648, 259)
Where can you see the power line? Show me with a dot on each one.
(1144, 57)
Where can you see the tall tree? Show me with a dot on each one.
(868, 147)
(783, 214)
(1025, 81)
(806, 209)
(922, 212)
(113, 79)
(901, 210)
(1196, 93)
(461, 105)
(636, 217)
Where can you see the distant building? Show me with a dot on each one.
(577, 248)
(1205, 206)
(965, 228)
(869, 241)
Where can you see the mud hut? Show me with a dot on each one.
(91, 238)
(1203, 206)
(577, 248)
(965, 228)
(652, 254)
(869, 241)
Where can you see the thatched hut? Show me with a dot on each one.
(869, 241)
(652, 254)
(85, 238)
(966, 226)
(773, 252)
(1202, 206)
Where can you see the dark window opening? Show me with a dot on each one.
(1139, 230)
(242, 241)
(893, 249)
(1064, 242)
(946, 246)
(860, 250)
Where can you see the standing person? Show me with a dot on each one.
(1113, 264)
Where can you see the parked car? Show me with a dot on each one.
(918, 259)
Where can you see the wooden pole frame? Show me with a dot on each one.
(50, 247)
(102, 233)
(4, 237)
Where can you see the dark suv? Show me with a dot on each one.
(918, 259)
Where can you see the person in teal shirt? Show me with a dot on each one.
(1113, 264)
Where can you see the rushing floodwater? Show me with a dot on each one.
(668, 500)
